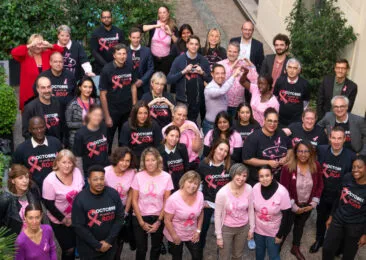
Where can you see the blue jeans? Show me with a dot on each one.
(207, 126)
(262, 243)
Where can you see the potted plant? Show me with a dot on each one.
(7, 244)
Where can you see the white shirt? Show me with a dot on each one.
(35, 144)
(245, 49)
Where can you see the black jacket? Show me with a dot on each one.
(10, 207)
(325, 94)
(267, 65)
(256, 52)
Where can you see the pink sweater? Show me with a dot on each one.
(233, 211)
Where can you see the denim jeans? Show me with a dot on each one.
(264, 242)
(207, 126)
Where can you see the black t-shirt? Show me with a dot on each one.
(74, 58)
(140, 138)
(135, 55)
(53, 118)
(38, 160)
(214, 55)
(347, 133)
(91, 146)
(117, 82)
(334, 168)
(245, 130)
(63, 86)
(102, 41)
(192, 84)
(291, 98)
(316, 136)
(96, 218)
(161, 112)
(213, 179)
(260, 146)
(352, 203)
(175, 163)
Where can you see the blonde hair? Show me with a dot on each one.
(156, 76)
(155, 153)
(32, 38)
(207, 44)
(190, 175)
(61, 154)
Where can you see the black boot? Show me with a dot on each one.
(315, 247)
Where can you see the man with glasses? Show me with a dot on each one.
(336, 161)
(334, 85)
(103, 39)
(293, 93)
(353, 125)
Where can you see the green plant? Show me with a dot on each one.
(318, 37)
(8, 106)
(4, 165)
(25, 17)
(7, 244)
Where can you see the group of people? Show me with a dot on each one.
(257, 163)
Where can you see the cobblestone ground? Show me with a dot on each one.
(224, 14)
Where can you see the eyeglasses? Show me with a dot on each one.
(303, 151)
(340, 107)
(272, 121)
(106, 17)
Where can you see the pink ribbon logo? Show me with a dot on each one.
(135, 138)
(264, 214)
(344, 88)
(120, 191)
(70, 199)
(283, 96)
(49, 123)
(33, 162)
(93, 216)
(151, 189)
(210, 181)
(103, 44)
(344, 193)
(325, 169)
(116, 82)
(190, 220)
(92, 147)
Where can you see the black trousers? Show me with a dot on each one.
(342, 235)
(118, 120)
(207, 214)
(323, 211)
(163, 64)
(177, 250)
(141, 238)
(66, 238)
(299, 224)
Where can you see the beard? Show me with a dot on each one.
(281, 52)
(107, 24)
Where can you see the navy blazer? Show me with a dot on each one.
(357, 128)
(325, 94)
(256, 52)
(146, 67)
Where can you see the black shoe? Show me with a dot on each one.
(315, 247)
(162, 249)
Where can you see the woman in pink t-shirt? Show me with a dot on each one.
(262, 96)
(272, 207)
(184, 216)
(223, 129)
(233, 211)
(189, 134)
(59, 191)
(151, 188)
(119, 176)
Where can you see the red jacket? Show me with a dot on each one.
(29, 71)
(288, 179)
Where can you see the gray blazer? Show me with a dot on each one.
(357, 127)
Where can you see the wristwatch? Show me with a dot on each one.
(198, 230)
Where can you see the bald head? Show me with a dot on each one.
(37, 128)
(44, 89)
(247, 30)
(56, 63)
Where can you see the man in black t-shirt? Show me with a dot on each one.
(44, 106)
(117, 91)
(62, 81)
(97, 217)
(38, 152)
(103, 39)
(292, 92)
(336, 161)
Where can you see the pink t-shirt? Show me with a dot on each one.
(151, 191)
(63, 195)
(259, 107)
(235, 95)
(185, 216)
(186, 137)
(235, 140)
(160, 43)
(268, 213)
(121, 184)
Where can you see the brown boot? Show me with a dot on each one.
(295, 250)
